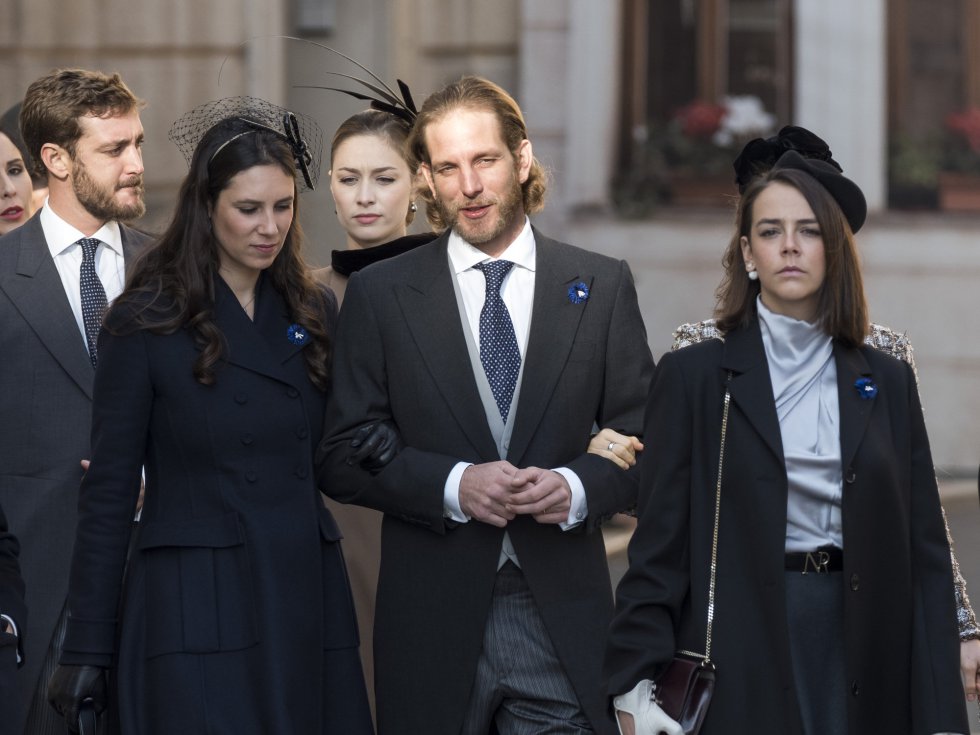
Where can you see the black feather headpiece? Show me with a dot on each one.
(384, 98)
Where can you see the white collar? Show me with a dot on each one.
(521, 252)
(60, 235)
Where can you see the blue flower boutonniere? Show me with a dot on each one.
(866, 388)
(296, 334)
(578, 293)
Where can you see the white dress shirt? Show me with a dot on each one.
(517, 292)
(62, 241)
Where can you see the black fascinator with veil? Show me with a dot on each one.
(233, 117)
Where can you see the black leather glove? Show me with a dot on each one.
(70, 686)
(375, 445)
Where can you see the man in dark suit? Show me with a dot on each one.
(13, 616)
(57, 272)
(496, 352)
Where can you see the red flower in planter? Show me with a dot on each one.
(967, 125)
(700, 119)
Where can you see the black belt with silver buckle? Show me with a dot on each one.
(823, 560)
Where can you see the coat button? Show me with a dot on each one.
(855, 689)
(850, 476)
(855, 582)
(302, 472)
(247, 439)
(251, 476)
(302, 433)
(241, 398)
(292, 392)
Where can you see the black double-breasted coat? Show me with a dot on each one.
(900, 631)
(235, 613)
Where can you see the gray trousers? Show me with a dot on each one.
(815, 608)
(520, 686)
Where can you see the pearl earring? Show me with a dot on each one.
(753, 275)
(413, 207)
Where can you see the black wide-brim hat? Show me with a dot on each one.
(845, 192)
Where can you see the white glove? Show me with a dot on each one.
(648, 718)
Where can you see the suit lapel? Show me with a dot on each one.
(38, 293)
(555, 320)
(262, 345)
(855, 410)
(431, 312)
(751, 387)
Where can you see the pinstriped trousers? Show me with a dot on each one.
(520, 686)
(43, 719)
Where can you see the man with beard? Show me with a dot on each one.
(57, 273)
(495, 352)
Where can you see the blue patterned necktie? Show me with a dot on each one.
(498, 343)
(94, 301)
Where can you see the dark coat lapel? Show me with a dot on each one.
(751, 387)
(39, 295)
(428, 302)
(855, 411)
(554, 324)
(261, 345)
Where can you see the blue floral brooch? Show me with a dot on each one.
(866, 388)
(578, 293)
(296, 334)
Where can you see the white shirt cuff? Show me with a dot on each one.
(450, 494)
(579, 508)
(13, 625)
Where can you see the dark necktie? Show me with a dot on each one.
(93, 296)
(498, 344)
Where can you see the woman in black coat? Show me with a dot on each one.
(827, 471)
(234, 611)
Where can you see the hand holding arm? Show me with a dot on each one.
(616, 447)
(375, 445)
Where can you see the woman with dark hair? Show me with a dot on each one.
(16, 187)
(234, 612)
(832, 606)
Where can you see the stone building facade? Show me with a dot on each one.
(564, 61)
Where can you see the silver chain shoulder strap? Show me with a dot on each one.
(714, 536)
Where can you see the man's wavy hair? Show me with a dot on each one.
(54, 104)
(476, 93)
(173, 282)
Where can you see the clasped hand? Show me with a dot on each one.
(498, 492)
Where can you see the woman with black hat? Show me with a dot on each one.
(832, 610)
